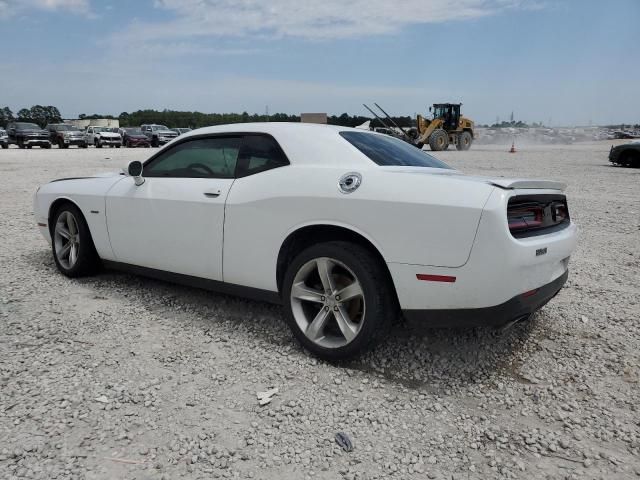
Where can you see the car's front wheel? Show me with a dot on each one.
(339, 299)
(73, 249)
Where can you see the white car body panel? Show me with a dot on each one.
(489, 277)
(169, 224)
(421, 221)
(273, 205)
(89, 195)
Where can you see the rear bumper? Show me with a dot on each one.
(518, 307)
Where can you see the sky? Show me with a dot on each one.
(561, 62)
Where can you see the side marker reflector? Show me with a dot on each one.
(435, 278)
(42, 224)
(530, 293)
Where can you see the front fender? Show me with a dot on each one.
(88, 194)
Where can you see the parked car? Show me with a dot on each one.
(158, 134)
(27, 135)
(4, 138)
(181, 131)
(622, 135)
(102, 137)
(133, 137)
(627, 155)
(64, 135)
(347, 228)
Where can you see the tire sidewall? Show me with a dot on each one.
(375, 289)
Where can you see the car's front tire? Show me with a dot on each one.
(72, 245)
(338, 299)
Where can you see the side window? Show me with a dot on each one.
(260, 153)
(199, 158)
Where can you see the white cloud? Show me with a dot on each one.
(10, 8)
(326, 19)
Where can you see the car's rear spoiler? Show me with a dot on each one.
(528, 183)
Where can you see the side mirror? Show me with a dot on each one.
(135, 170)
(429, 108)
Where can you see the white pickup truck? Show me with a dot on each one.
(102, 136)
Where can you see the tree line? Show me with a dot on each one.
(37, 114)
(182, 119)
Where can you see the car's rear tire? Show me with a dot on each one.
(439, 140)
(155, 142)
(73, 250)
(97, 143)
(315, 285)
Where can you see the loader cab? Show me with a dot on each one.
(449, 113)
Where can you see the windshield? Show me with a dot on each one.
(133, 131)
(100, 129)
(27, 125)
(64, 128)
(388, 151)
(160, 127)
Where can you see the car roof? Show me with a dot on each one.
(303, 143)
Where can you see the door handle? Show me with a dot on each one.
(215, 194)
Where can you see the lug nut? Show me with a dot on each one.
(338, 297)
(322, 298)
(326, 309)
(335, 308)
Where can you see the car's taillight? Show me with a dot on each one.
(525, 217)
(536, 214)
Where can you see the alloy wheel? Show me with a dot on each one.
(328, 302)
(66, 238)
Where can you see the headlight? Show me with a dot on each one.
(65, 134)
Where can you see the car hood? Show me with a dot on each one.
(109, 134)
(138, 137)
(165, 132)
(33, 130)
(504, 183)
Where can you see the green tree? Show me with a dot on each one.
(6, 116)
(24, 114)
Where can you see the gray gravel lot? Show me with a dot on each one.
(118, 376)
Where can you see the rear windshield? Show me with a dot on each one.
(388, 151)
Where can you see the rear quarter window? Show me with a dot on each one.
(388, 151)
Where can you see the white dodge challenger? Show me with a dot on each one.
(346, 228)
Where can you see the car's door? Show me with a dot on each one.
(174, 221)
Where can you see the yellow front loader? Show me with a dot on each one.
(448, 127)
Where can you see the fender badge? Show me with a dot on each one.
(541, 251)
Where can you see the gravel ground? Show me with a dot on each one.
(118, 376)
